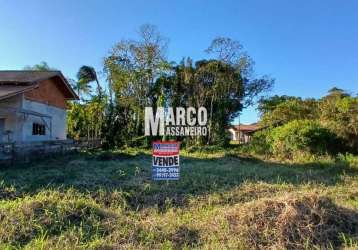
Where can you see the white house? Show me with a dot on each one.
(33, 105)
(242, 132)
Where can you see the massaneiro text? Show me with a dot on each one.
(183, 122)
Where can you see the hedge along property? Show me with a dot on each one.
(33, 106)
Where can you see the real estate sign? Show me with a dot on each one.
(165, 161)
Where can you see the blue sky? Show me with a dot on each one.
(307, 46)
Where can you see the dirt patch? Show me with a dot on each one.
(293, 223)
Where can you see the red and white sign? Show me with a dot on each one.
(165, 160)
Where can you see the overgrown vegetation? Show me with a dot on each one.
(303, 136)
(139, 75)
(106, 200)
(297, 129)
(305, 199)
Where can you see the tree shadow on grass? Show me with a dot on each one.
(91, 172)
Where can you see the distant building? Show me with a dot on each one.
(33, 105)
(242, 133)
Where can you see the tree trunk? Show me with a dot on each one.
(99, 89)
(211, 119)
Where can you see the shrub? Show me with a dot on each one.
(340, 116)
(350, 159)
(260, 143)
(303, 137)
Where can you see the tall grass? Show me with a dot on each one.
(107, 200)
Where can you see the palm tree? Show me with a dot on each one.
(81, 87)
(87, 74)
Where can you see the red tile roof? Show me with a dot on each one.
(248, 128)
(13, 82)
(26, 76)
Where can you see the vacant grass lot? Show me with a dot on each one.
(107, 200)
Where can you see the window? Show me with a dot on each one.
(38, 129)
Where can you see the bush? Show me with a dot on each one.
(350, 159)
(260, 143)
(303, 137)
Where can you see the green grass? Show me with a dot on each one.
(107, 200)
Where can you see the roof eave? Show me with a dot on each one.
(68, 86)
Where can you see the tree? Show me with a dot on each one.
(85, 118)
(280, 110)
(87, 74)
(266, 105)
(81, 88)
(219, 87)
(214, 84)
(76, 120)
(231, 52)
(139, 75)
(132, 69)
(114, 134)
(338, 112)
(42, 66)
(336, 93)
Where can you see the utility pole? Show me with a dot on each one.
(239, 130)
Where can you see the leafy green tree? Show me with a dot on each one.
(42, 66)
(86, 118)
(114, 134)
(76, 120)
(336, 93)
(133, 69)
(214, 84)
(339, 113)
(139, 75)
(267, 105)
(285, 111)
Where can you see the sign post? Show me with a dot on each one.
(165, 161)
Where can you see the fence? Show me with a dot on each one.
(10, 152)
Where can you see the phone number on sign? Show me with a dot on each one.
(166, 175)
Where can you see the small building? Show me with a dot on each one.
(242, 133)
(33, 106)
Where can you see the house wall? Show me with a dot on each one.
(13, 120)
(241, 136)
(245, 137)
(49, 93)
(57, 121)
(233, 134)
(49, 100)
(21, 124)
